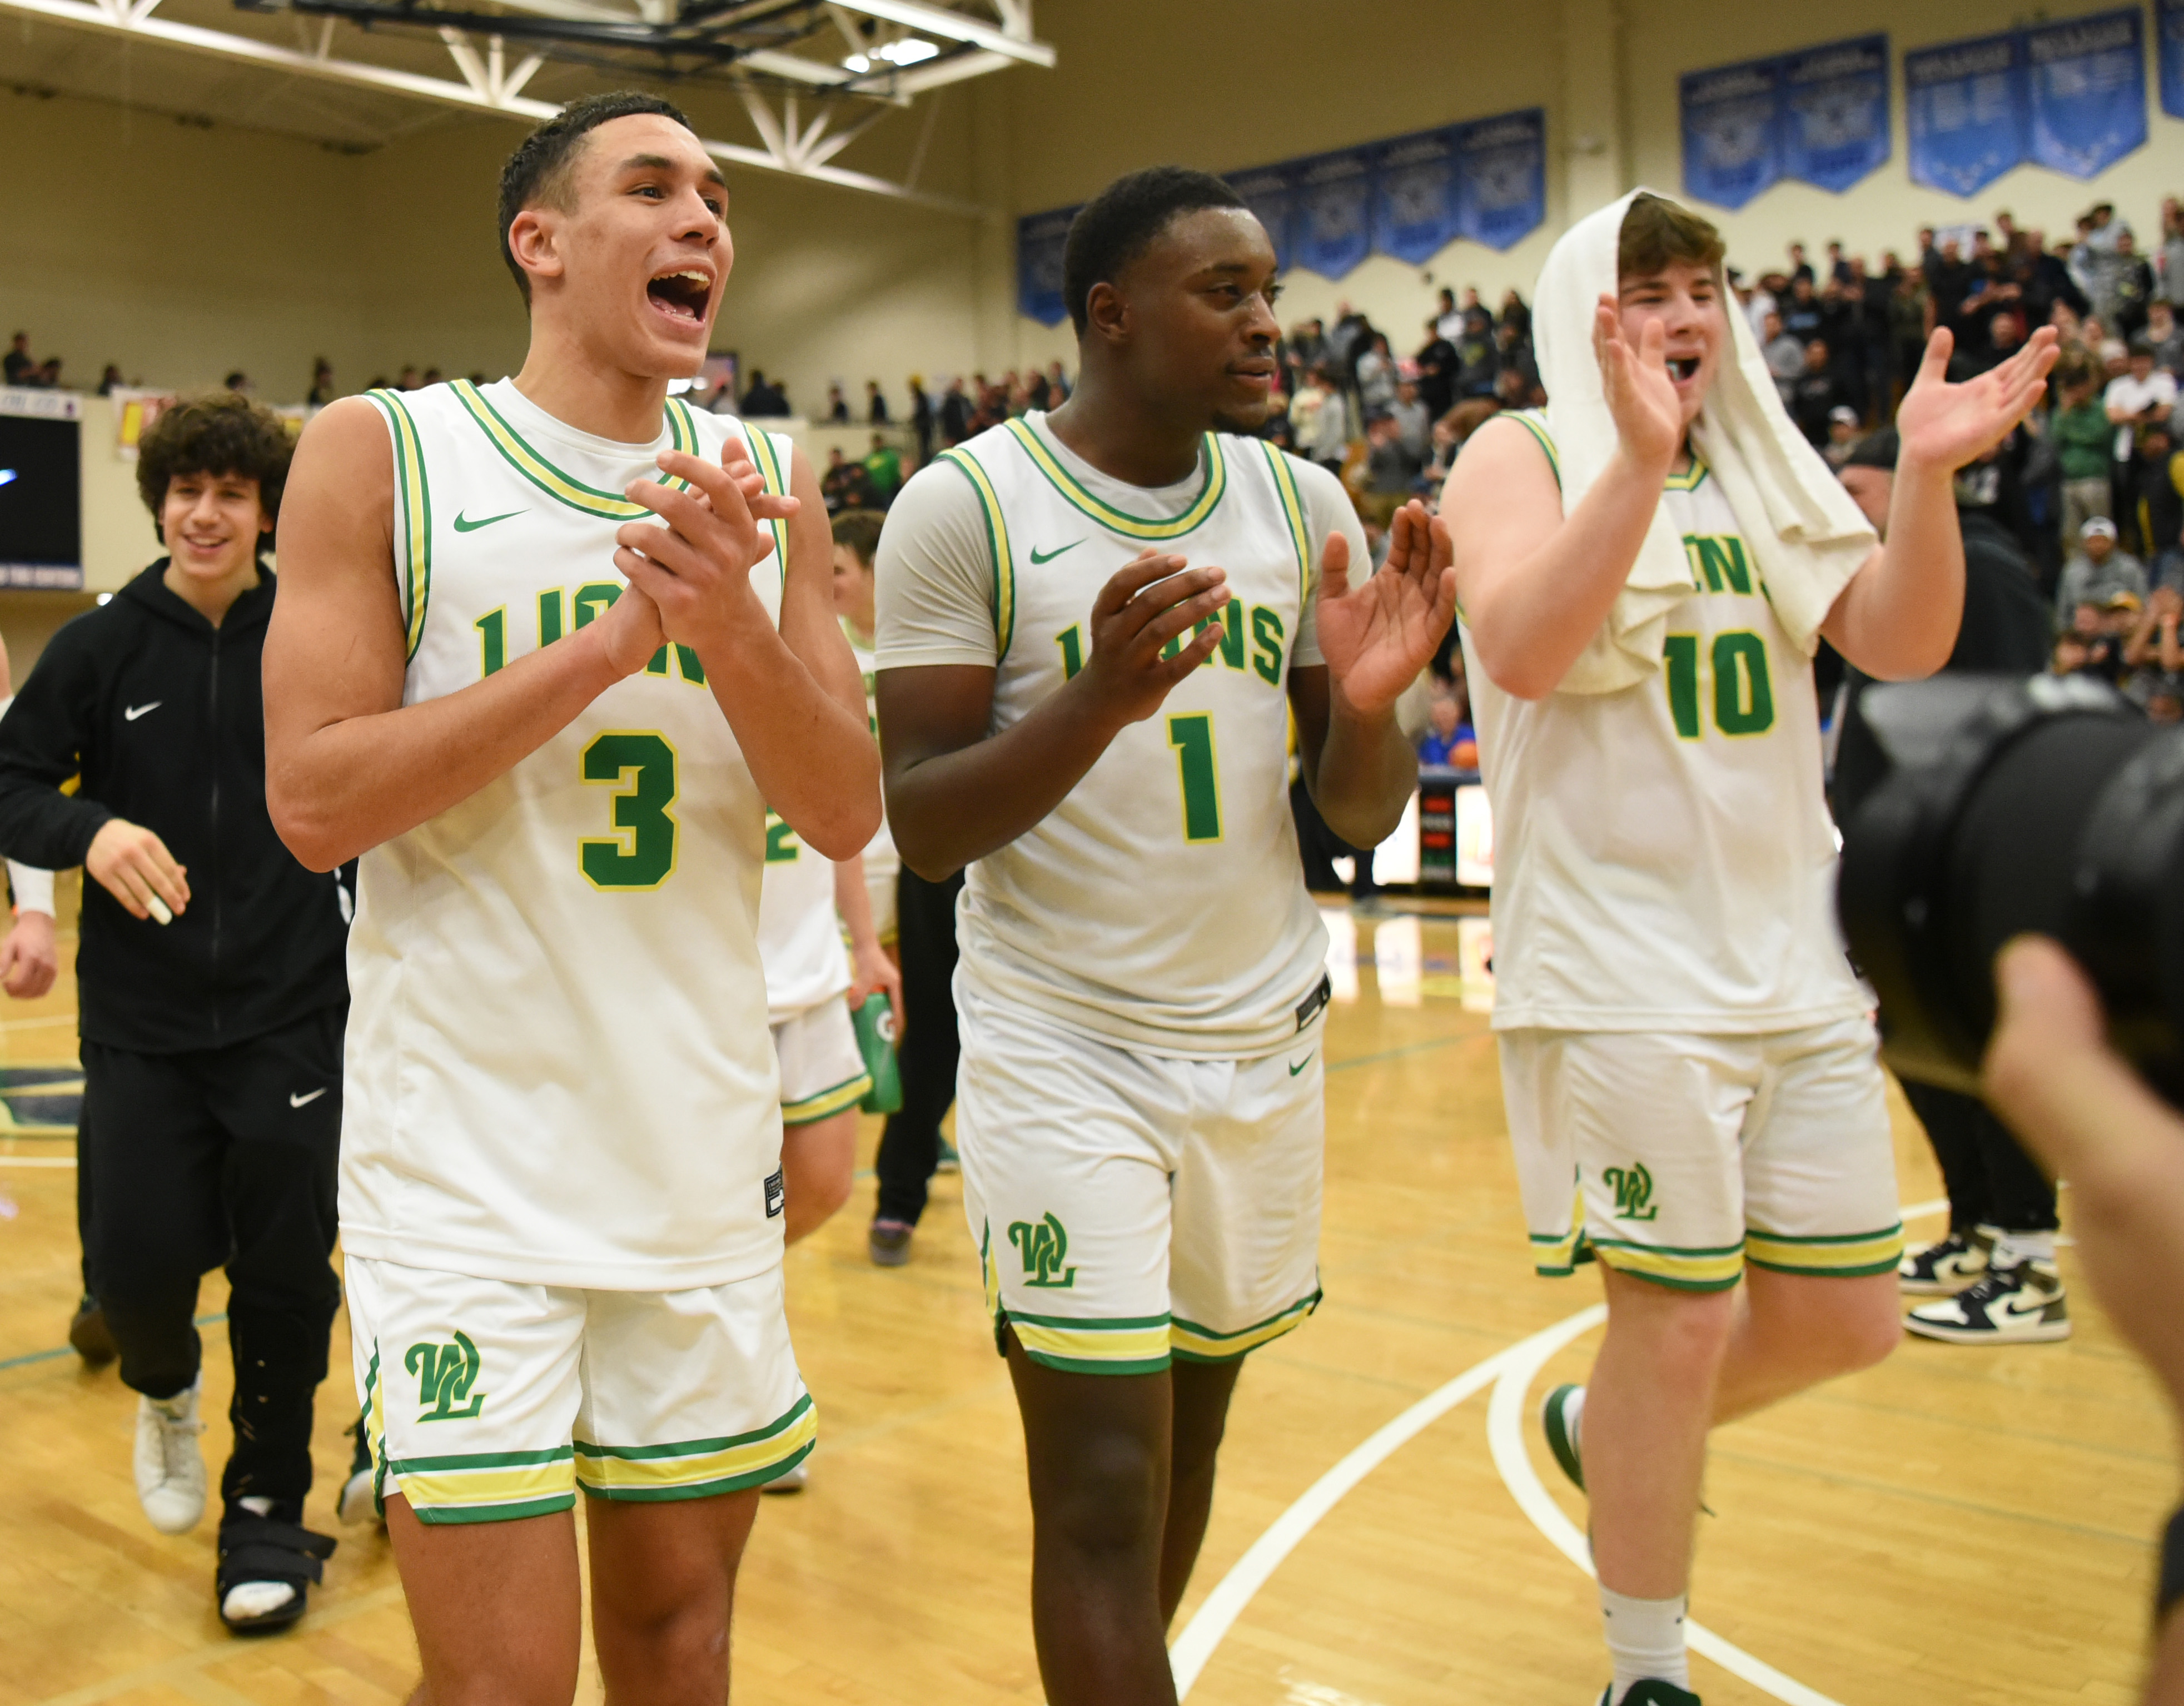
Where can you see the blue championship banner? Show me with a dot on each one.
(2087, 82)
(1266, 192)
(1732, 131)
(1835, 125)
(1331, 215)
(1501, 177)
(1964, 106)
(1414, 197)
(2168, 31)
(1040, 240)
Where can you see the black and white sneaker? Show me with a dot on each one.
(357, 1502)
(2021, 1303)
(1945, 1268)
(1653, 1691)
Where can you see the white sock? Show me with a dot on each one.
(1644, 1638)
(2011, 1248)
(256, 1505)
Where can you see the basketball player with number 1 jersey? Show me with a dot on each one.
(543, 652)
(1094, 627)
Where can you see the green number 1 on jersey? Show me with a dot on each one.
(1192, 738)
(641, 853)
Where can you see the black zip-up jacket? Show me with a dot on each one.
(161, 715)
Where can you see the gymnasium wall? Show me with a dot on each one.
(1290, 77)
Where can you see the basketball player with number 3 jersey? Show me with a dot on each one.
(1094, 626)
(1692, 1083)
(543, 652)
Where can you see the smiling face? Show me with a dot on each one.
(1193, 315)
(212, 524)
(1686, 297)
(633, 252)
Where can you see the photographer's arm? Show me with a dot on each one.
(1898, 619)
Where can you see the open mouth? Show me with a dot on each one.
(682, 294)
(1683, 368)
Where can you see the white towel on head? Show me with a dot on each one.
(1806, 535)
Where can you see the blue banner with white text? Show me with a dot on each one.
(1501, 177)
(2168, 35)
(1732, 131)
(1040, 240)
(1965, 107)
(1268, 192)
(2087, 84)
(1414, 197)
(1835, 125)
(1331, 212)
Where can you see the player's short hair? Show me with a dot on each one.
(540, 168)
(860, 530)
(218, 433)
(1657, 234)
(1120, 223)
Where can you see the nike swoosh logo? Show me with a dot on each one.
(1301, 1064)
(464, 525)
(130, 713)
(295, 1101)
(1038, 556)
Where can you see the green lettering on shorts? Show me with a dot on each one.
(1633, 1192)
(445, 1374)
(1044, 1246)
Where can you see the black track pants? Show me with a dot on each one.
(910, 1145)
(1991, 1181)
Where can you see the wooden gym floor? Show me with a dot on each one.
(1959, 1525)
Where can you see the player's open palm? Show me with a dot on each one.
(1945, 426)
(1150, 601)
(1378, 634)
(696, 570)
(1649, 416)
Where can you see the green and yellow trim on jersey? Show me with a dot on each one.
(1846, 1256)
(828, 1102)
(997, 536)
(1192, 1343)
(519, 455)
(1121, 521)
(773, 469)
(1699, 1269)
(1689, 480)
(699, 1468)
(413, 518)
(1285, 487)
(1535, 423)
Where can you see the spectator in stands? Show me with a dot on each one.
(955, 412)
(1412, 422)
(844, 485)
(1437, 367)
(2172, 252)
(1479, 364)
(1512, 353)
(1515, 312)
(2164, 336)
(1802, 317)
(1391, 466)
(18, 367)
(1448, 321)
(1449, 742)
(1058, 386)
(1842, 435)
(1376, 377)
(2085, 443)
(432, 377)
(49, 374)
(110, 380)
(1784, 354)
(2133, 286)
(1816, 393)
(921, 421)
(2158, 487)
(2097, 573)
(1326, 438)
(237, 382)
(882, 467)
(407, 379)
(2151, 651)
(2139, 397)
(322, 384)
(761, 399)
(838, 406)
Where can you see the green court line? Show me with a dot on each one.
(25, 1361)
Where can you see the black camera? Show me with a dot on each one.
(2007, 805)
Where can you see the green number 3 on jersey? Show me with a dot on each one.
(640, 765)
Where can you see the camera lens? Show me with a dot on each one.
(2010, 805)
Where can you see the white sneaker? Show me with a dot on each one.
(792, 1480)
(170, 1471)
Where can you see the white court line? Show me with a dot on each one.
(1212, 1621)
(1919, 1211)
(37, 1161)
(1504, 1434)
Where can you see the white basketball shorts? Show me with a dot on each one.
(822, 1070)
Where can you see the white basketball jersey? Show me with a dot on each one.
(1161, 905)
(881, 859)
(799, 938)
(559, 1069)
(1663, 858)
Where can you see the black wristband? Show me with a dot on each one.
(2171, 1589)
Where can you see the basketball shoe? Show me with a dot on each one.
(2016, 1303)
(356, 1504)
(1653, 1691)
(1943, 1269)
(1560, 1419)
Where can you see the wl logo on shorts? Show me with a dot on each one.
(445, 1374)
(1045, 1247)
(1633, 1192)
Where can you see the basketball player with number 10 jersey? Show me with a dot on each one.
(545, 650)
